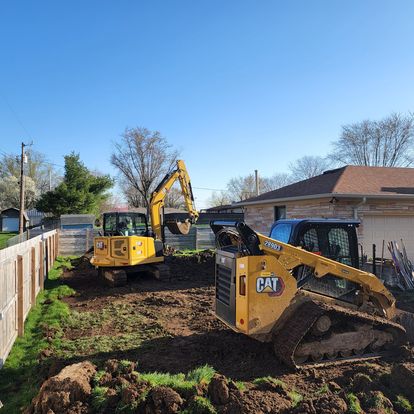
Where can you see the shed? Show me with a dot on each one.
(9, 220)
(77, 221)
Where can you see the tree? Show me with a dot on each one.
(10, 192)
(386, 143)
(276, 181)
(37, 169)
(219, 198)
(142, 157)
(308, 167)
(80, 192)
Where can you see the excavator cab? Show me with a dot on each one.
(125, 224)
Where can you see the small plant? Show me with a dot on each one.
(323, 390)
(402, 403)
(354, 407)
(241, 386)
(200, 405)
(98, 376)
(177, 382)
(99, 399)
(295, 397)
(201, 374)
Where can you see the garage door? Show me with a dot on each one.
(379, 228)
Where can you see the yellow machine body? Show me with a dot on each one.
(119, 251)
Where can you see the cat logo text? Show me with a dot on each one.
(271, 285)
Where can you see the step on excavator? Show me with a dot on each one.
(129, 245)
(301, 289)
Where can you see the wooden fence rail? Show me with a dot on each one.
(23, 268)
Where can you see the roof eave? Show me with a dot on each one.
(325, 195)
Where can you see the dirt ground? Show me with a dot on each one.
(169, 326)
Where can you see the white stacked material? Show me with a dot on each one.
(403, 266)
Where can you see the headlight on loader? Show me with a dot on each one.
(100, 245)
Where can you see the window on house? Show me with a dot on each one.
(280, 212)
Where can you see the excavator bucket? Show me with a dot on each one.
(178, 227)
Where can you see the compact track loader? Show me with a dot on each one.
(128, 244)
(313, 308)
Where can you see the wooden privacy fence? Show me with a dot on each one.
(77, 242)
(23, 268)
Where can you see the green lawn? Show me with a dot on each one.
(4, 237)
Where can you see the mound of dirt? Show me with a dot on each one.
(162, 400)
(403, 375)
(65, 392)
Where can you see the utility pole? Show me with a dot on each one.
(21, 212)
(256, 178)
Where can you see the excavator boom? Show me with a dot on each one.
(157, 201)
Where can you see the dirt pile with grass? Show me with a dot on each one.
(185, 360)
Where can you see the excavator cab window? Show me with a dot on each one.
(125, 224)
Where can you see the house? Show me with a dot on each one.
(382, 198)
(9, 220)
(224, 209)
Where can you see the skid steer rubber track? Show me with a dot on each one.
(296, 333)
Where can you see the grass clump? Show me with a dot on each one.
(322, 390)
(241, 386)
(295, 397)
(177, 382)
(269, 381)
(403, 404)
(18, 382)
(98, 376)
(354, 406)
(99, 398)
(200, 405)
(202, 374)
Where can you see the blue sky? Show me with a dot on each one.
(235, 85)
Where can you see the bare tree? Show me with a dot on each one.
(219, 198)
(143, 157)
(276, 181)
(308, 167)
(385, 143)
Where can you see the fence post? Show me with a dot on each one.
(42, 266)
(20, 308)
(33, 274)
(57, 242)
(87, 240)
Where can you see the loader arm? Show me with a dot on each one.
(291, 257)
(180, 173)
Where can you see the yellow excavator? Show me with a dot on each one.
(129, 245)
(304, 294)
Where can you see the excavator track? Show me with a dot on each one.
(113, 277)
(349, 335)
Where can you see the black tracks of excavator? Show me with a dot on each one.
(287, 339)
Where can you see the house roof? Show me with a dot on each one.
(5, 211)
(351, 181)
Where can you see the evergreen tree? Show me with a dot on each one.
(80, 192)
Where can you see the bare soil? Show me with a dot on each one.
(177, 332)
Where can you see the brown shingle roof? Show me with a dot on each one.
(351, 179)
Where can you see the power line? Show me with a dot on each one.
(209, 189)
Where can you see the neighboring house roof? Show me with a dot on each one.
(16, 210)
(350, 181)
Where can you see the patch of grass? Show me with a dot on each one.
(99, 399)
(98, 376)
(354, 407)
(177, 382)
(295, 397)
(269, 381)
(403, 404)
(18, 382)
(200, 405)
(241, 386)
(322, 390)
(4, 236)
(201, 374)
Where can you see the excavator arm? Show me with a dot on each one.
(180, 173)
(291, 257)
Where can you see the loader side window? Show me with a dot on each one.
(338, 245)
